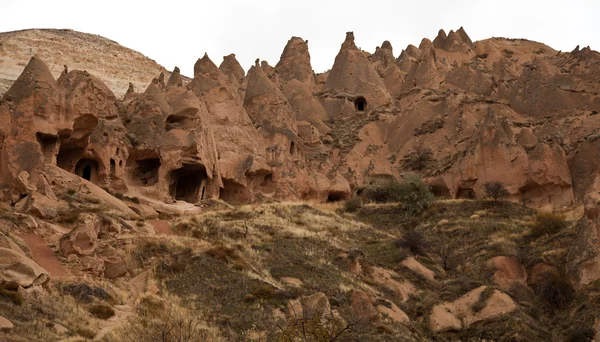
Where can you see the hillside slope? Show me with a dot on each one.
(112, 63)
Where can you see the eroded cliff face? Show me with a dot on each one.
(458, 112)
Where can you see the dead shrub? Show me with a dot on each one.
(554, 290)
(548, 224)
(353, 205)
(101, 311)
(414, 241)
(85, 293)
(495, 190)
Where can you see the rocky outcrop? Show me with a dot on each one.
(283, 132)
(18, 270)
(460, 314)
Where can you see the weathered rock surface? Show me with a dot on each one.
(18, 270)
(284, 132)
(459, 314)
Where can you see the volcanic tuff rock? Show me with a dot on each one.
(507, 110)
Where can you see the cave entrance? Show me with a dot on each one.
(360, 104)
(467, 193)
(87, 172)
(48, 145)
(87, 169)
(337, 196)
(145, 171)
(440, 190)
(188, 183)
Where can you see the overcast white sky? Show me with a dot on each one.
(177, 32)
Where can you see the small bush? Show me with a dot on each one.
(101, 311)
(84, 293)
(353, 204)
(582, 335)
(548, 224)
(554, 290)
(418, 159)
(413, 241)
(495, 190)
(414, 195)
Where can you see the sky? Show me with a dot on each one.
(178, 32)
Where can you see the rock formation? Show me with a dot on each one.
(506, 110)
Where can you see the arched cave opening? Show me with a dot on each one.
(145, 171)
(337, 196)
(48, 145)
(179, 121)
(188, 183)
(113, 166)
(440, 190)
(87, 169)
(292, 148)
(360, 104)
(466, 193)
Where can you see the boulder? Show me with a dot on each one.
(362, 306)
(508, 270)
(316, 304)
(82, 239)
(114, 263)
(6, 242)
(18, 270)
(5, 325)
(457, 315)
(415, 266)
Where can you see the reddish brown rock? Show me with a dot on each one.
(362, 306)
(508, 270)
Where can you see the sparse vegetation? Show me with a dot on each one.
(352, 205)
(554, 290)
(495, 190)
(547, 224)
(413, 241)
(418, 159)
(414, 195)
(101, 311)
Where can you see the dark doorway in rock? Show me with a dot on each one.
(360, 104)
(440, 190)
(145, 171)
(467, 193)
(48, 143)
(68, 155)
(188, 183)
(113, 166)
(337, 196)
(292, 148)
(87, 169)
(87, 172)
